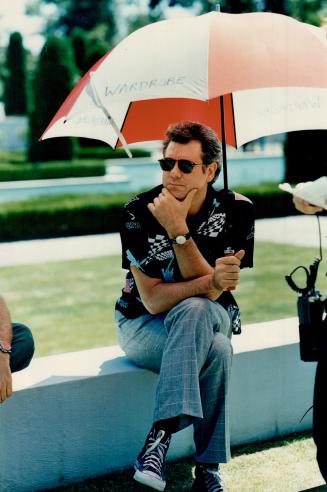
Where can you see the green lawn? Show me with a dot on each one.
(285, 465)
(69, 305)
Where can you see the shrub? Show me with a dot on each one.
(69, 215)
(106, 152)
(268, 200)
(53, 82)
(48, 170)
(15, 93)
(61, 215)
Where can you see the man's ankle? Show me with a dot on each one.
(167, 425)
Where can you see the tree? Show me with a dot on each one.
(53, 82)
(230, 6)
(277, 6)
(237, 6)
(310, 11)
(85, 14)
(15, 87)
(80, 43)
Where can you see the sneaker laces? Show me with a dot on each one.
(155, 454)
(213, 480)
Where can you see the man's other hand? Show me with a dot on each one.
(226, 275)
(5, 377)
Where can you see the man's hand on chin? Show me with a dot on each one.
(5, 377)
(170, 212)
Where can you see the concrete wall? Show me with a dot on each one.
(271, 388)
(83, 414)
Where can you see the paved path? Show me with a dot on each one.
(299, 230)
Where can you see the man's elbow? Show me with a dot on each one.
(151, 306)
(152, 309)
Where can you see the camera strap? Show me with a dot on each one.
(311, 274)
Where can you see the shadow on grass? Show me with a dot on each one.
(179, 473)
(316, 489)
(179, 479)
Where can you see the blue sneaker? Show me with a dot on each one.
(208, 479)
(149, 465)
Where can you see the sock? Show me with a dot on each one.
(167, 425)
(212, 466)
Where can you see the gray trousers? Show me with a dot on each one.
(191, 351)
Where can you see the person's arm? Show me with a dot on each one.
(171, 214)
(5, 336)
(158, 296)
(305, 207)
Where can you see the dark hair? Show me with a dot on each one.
(185, 131)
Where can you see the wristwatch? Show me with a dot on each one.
(180, 239)
(5, 347)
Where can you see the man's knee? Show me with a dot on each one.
(196, 303)
(202, 310)
(196, 307)
(222, 347)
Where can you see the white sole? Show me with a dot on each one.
(145, 479)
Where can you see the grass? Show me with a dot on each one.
(69, 305)
(284, 465)
(263, 293)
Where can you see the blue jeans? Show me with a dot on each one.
(22, 347)
(190, 349)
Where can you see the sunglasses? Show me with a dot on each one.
(184, 165)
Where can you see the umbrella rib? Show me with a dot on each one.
(125, 118)
(114, 125)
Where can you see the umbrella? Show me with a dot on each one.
(245, 75)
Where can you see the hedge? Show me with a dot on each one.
(109, 153)
(268, 200)
(49, 170)
(60, 215)
(71, 215)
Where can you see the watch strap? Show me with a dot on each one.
(180, 239)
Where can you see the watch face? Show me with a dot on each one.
(180, 239)
(5, 346)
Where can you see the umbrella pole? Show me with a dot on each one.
(223, 142)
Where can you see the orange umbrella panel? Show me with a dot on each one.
(147, 120)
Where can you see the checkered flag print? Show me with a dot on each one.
(214, 226)
(235, 316)
(159, 248)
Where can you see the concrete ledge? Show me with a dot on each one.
(271, 388)
(86, 413)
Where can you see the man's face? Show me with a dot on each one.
(179, 183)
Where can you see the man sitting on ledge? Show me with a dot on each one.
(176, 313)
(16, 350)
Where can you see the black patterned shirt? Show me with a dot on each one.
(146, 245)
